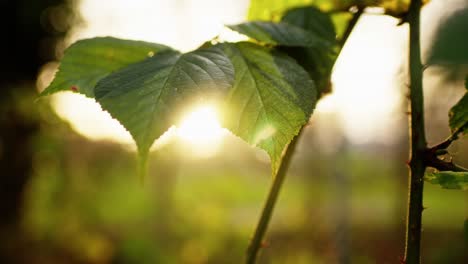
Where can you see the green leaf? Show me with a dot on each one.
(278, 34)
(148, 97)
(459, 114)
(272, 9)
(267, 9)
(272, 98)
(311, 19)
(318, 60)
(448, 179)
(87, 61)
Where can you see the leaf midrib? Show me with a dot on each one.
(153, 106)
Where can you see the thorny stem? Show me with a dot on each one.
(417, 139)
(257, 240)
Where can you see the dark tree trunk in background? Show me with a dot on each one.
(27, 42)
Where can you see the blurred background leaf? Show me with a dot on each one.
(450, 39)
(448, 179)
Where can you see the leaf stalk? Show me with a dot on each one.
(257, 240)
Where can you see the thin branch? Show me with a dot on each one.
(431, 160)
(446, 143)
(257, 240)
(442, 165)
(352, 23)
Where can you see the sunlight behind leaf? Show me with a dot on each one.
(363, 95)
(201, 131)
(183, 25)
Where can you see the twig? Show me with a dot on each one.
(352, 23)
(442, 165)
(446, 143)
(257, 240)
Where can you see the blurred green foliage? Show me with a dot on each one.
(448, 179)
(450, 40)
(84, 202)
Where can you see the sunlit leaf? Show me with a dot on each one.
(272, 98)
(448, 179)
(272, 9)
(459, 114)
(87, 61)
(341, 21)
(148, 97)
(317, 60)
(279, 34)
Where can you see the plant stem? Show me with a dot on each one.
(446, 143)
(351, 24)
(257, 240)
(417, 139)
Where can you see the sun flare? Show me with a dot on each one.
(364, 97)
(202, 130)
(200, 126)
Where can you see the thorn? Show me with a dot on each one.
(402, 260)
(424, 208)
(74, 88)
(407, 162)
(407, 94)
(264, 244)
